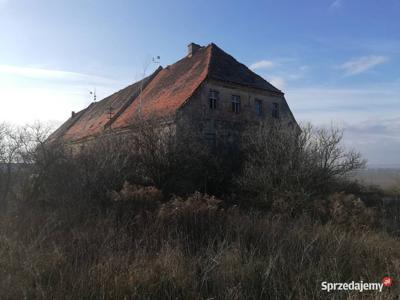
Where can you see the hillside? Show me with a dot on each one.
(382, 177)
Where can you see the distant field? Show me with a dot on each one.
(383, 177)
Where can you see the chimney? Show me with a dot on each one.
(192, 48)
(72, 114)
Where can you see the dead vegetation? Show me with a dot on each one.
(151, 217)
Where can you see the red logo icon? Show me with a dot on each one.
(387, 281)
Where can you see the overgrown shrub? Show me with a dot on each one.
(351, 212)
(291, 204)
(341, 209)
(279, 159)
(139, 196)
(199, 216)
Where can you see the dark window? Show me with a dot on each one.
(213, 99)
(275, 110)
(258, 107)
(236, 104)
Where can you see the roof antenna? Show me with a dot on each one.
(94, 94)
(155, 60)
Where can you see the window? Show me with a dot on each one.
(258, 107)
(236, 104)
(212, 99)
(275, 110)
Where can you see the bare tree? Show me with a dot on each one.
(18, 145)
(279, 158)
(10, 145)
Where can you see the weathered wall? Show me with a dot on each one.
(161, 127)
(220, 124)
(222, 121)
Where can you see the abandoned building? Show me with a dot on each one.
(208, 87)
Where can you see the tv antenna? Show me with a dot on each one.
(156, 59)
(94, 94)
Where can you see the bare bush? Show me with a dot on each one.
(18, 146)
(174, 161)
(199, 216)
(279, 158)
(137, 194)
(394, 189)
(193, 208)
(151, 154)
(10, 156)
(350, 212)
(177, 160)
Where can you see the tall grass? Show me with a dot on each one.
(190, 248)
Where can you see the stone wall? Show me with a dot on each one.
(222, 122)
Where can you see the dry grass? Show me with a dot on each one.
(188, 249)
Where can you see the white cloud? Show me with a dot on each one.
(362, 64)
(285, 71)
(382, 127)
(37, 72)
(278, 82)
(262, 64)
(322, 104)
(369, 116)
(47, 74)
(377, 139)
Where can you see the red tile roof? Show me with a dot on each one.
(160, 94)
(94, 119)
(170, 88)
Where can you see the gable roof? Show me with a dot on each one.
(160, 94)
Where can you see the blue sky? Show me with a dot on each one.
(336, 60)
